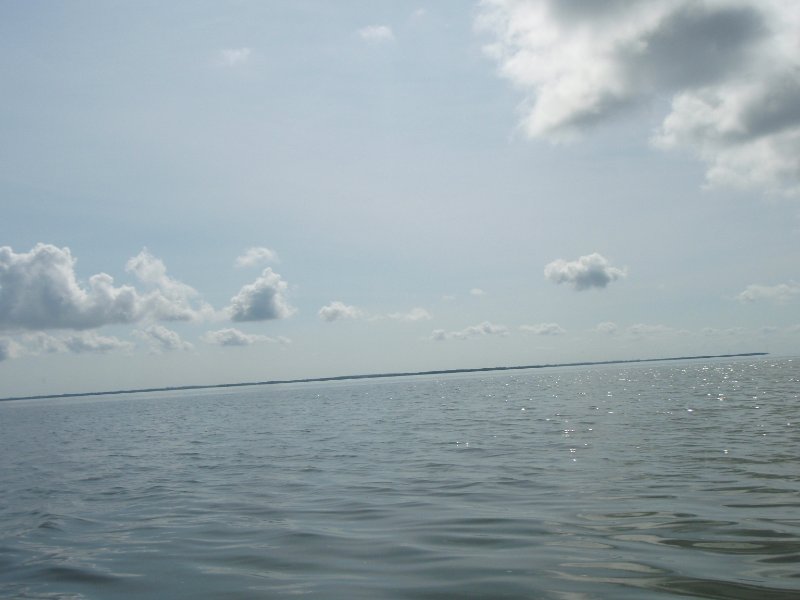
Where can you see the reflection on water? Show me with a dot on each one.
(639, 481)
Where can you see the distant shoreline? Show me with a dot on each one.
(375, 376)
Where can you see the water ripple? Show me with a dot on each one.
(639, 481)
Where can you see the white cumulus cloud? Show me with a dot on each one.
(161, 339)
(262, 300)
(481, 330)
(646, 330)
(543, 329)
(256, 256)
(91, 341)
(748, 132)
(235, 337)
(231, 57)
(39, 342)
(730, 331)
(477, 292)
(590, 271)
(415, 314)
(780, 294)
(39, 290)
(730, 67)
(376, 33)
(339, 310)
(8, 349)
(606, 327)
(170, 300)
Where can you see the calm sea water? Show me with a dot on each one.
(665, 480)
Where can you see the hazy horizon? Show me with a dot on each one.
(387, 375)
(198, 192)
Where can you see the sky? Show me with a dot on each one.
(199, 192)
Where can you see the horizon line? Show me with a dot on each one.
(373, 376)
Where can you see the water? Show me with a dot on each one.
(665, 480)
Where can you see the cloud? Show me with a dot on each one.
(256, 256)
(8, 349)
(606, 327)
(747, 132)
(643, 330)
(171, 300)
(234, 337)
(731, 331)
(730, 67)
(262, 300)
(780, 294)
(544, 329)
(376, 34)
(162, 339)
(231, 57)
(415, 314)
(91, 341)
(590, 271)
(481, 330)
(39, 290)
(339, 310)
(477, 292)
(39, 342)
